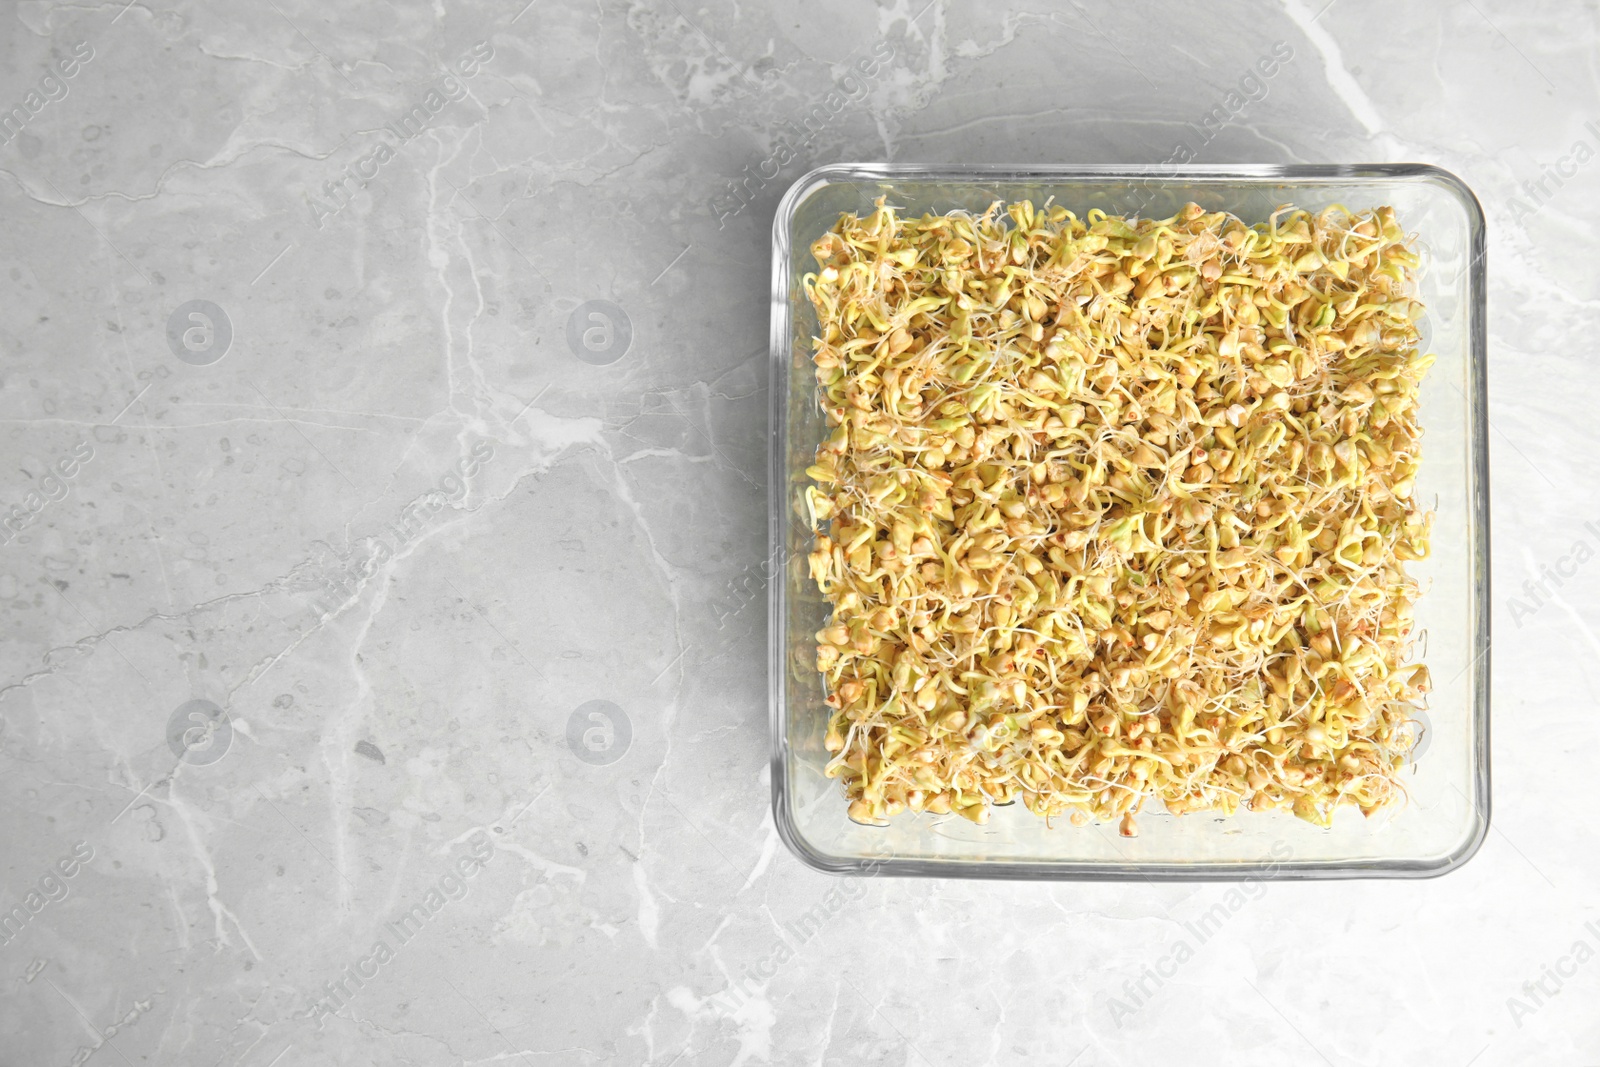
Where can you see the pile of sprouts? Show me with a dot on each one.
(1117, 510)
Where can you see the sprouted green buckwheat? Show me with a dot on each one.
(1116, 511)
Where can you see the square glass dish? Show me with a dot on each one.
(1447, 814)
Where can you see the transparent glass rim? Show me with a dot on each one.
(778, 558)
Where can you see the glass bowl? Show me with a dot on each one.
(1447, 815)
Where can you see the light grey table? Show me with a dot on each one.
(382, 387)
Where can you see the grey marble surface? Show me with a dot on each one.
(394, 507)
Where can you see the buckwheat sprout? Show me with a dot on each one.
(1114, 510)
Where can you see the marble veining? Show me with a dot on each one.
(383, 408)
